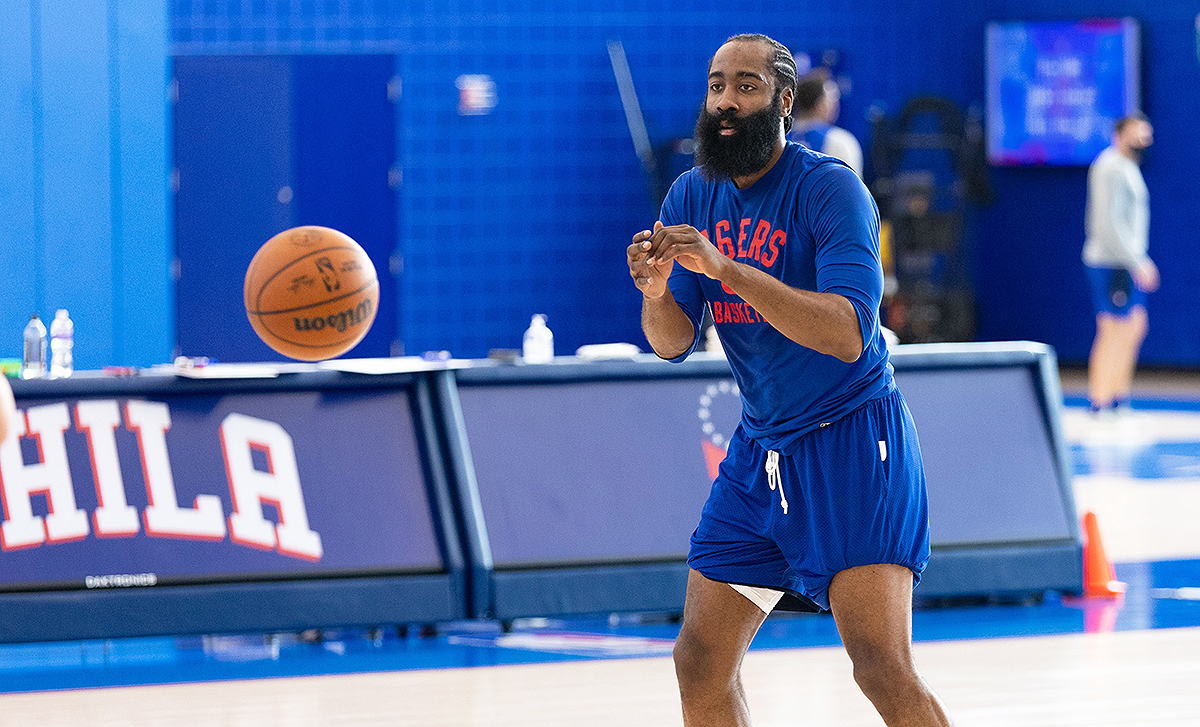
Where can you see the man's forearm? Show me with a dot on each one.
(667, 328)
(824, 322)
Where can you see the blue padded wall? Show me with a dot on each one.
(20, 171)
(83, 175)
(529, 209)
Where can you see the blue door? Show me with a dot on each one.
(265, 143)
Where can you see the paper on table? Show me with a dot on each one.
(394, 365)
(608, 351)
(229, 371)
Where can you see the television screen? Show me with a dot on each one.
(1055, 88)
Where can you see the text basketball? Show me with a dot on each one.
(311, 293)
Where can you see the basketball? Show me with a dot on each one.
(311, 293)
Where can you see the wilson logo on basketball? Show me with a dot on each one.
(355, 316)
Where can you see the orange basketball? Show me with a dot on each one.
(311, 293)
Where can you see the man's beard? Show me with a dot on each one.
(745, 152)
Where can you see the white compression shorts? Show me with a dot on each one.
(764, 598)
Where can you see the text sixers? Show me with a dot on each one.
(762, 245)
(249, 488)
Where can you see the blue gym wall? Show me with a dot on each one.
(84, 208)
(527, 209)
(1029, 278)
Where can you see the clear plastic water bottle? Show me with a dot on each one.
(62, 340)
(539, 342)
(33, 362)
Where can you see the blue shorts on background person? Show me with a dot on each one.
(1113, 291)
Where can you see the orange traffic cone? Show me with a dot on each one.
(1099, 577)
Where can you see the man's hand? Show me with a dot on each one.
(649, 277)
(685, 244)
(667, 328)
(1145, 276)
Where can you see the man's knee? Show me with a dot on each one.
(691, 657)
(879, 671)
(698, 662)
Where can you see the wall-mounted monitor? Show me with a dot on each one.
(1055, 88)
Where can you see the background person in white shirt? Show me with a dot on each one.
(1119, 270)
(816, 108)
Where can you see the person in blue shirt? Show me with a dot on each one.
(821, 499)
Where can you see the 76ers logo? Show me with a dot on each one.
(722, 397)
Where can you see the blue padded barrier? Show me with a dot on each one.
(473, 489)
(588, 477)
(308, 499)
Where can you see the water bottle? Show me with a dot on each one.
(539, 342)
(62, 340)
(33, 363)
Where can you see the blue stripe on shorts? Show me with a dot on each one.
(855, 491)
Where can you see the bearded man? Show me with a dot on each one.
(821, 499)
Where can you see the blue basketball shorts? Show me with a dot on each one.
(1113, 291)
(851, 494)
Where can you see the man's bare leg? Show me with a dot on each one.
(1114, 356)
(718, 625)
(1131, 333)
(872, 605)
(1103, 362)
